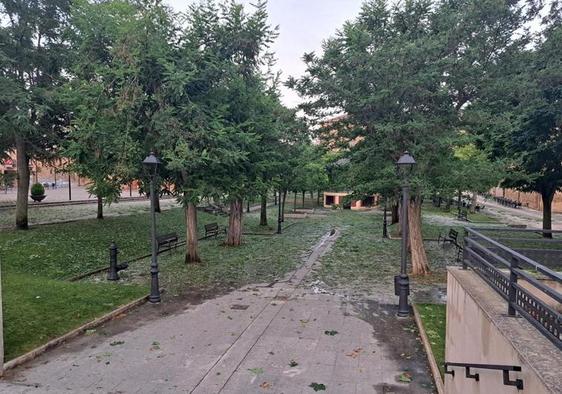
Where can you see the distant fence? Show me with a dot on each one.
(502, 258)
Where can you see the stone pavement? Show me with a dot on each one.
(526, 216)
(272, 338)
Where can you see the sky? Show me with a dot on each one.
(303, 25)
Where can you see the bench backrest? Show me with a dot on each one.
(453, 234)
(167, 237)
(211, 226)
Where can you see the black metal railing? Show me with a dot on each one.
(505, 270)
(476, 376)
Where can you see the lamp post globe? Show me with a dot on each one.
(151, 164)
(404, 166)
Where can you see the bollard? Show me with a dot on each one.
(112, 273)
(114, 268)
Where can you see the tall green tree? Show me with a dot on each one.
(104, 96)
(518, 114)
(403, 74)
(33, 54)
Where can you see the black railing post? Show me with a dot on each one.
(512, 289)
(465, 250)
(112, 272)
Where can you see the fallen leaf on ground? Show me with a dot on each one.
(256, 371)
(355, 353)
(317, 386)
(265, 385)
(404, 377)
(116, 343)
(330, 332)
(293, 363)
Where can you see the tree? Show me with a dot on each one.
(103, 94)
(402, 75)
(32, 58)
(536, 140)
(518, 116)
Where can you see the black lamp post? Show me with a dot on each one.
(404, 166)
(151, 163)
(279, 214)
(384, 221)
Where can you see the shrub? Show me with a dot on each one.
(37, 189)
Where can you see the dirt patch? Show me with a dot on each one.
(400, 338)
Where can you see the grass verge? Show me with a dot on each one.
(433, 317)
(38, 309)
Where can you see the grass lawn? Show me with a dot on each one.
(39, 304)
(433, 318)
(38, 309)
(260, 259)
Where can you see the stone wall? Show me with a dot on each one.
(480, 332)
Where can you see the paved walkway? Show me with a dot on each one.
(60, 194)
(526, 216)
(284, 337)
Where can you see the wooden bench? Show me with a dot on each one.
(170, 239)
(213, 230)
(451, 238)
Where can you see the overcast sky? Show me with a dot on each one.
(303, 24)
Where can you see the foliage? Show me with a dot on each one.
(37, 189)
(519, 113)
(32, 60)
(7, 179)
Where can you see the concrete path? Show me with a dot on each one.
(519, 216)
(283, 337)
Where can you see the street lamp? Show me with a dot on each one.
(151, 164)
(404, 166)
(385, 221)
(279, 214)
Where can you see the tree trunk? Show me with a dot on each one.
(263, 210)
(547, 198)
(318, 199)
(234, 237)
(474, 202)
(192, 252)
(275, 196)
(283, 205)
(303, 192)
(420, 264)
(22, 164)
(248, 206)
(459, 204)
(100, 207)
(295, 202)
(395, 215)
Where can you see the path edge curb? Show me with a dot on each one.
(430, 357)
(53, 343)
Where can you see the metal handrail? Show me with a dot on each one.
(539, 267)
(519, 299)
(504, 368)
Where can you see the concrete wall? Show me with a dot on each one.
(479, 331)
